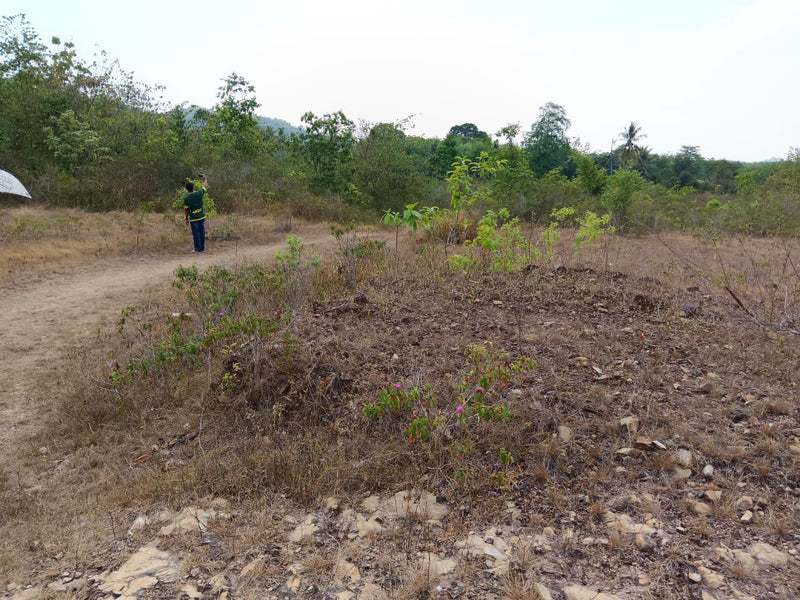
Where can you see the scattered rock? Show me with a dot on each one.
(701, 508)
(711, 578)
(747, 516)
(345, 571)
(252, 568)
(565, 434)
(684, 457)
(476, 546)
(713, 495)
(624, 524)
(139, 524)
(420, 505)
(331, 504)
(435, 565)
(681, 474)
(645, 543)
(544, 593)
(708, 470)
(625, 452)
(744, 503)
(696, 577)
(189, 520)
(768, 554)
(629, 424)
(371, 503)
(304, 531)
(147, 567)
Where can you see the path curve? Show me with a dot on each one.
(44, 317)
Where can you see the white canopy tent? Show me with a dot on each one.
(11, 185)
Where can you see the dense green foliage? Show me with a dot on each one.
(89, 135)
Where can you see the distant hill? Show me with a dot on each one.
(277, 125)
(263, 122)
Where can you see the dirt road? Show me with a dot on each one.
(45, 317)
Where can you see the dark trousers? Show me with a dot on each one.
(199, 235)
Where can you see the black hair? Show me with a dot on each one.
(189, 186)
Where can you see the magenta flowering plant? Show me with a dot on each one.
(398, 399)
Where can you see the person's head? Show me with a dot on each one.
(189, 186)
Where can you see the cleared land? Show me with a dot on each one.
(647, 373)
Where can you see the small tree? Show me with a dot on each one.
(619, 191)
(465, 186)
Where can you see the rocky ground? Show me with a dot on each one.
(382, 547)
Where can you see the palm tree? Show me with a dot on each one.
(629, 149)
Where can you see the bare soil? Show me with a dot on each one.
(635, 328)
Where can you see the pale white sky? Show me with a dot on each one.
(718, 74)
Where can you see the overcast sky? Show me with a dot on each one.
(718, 74)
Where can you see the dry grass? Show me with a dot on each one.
(35, 238)
(300, 431)
(516, 587)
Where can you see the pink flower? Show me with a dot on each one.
(397, 386)
(460, 409)
(478, 389)
(224, 313)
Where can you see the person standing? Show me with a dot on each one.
(196, 213)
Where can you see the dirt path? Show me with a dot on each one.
(46, 316)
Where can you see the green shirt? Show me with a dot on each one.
(195, 203)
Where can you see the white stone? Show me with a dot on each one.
(475, 545)
(579, 592)
(302, 532)
(331, 504)
(543, 592)
(252, 568)
(768, 554)
(143, 570)
(624, 524)
(371, 503)
(190, 520)
(631, 424)
(747, 516)
(293, 583)
(368, 527)
(191, 592)
(684, 457)
(565, 433)
(434, 565)
(421, 505)
(708, 470)
(345, 570)
(139, 523)
(711, 578)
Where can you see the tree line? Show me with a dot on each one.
(89, 135)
